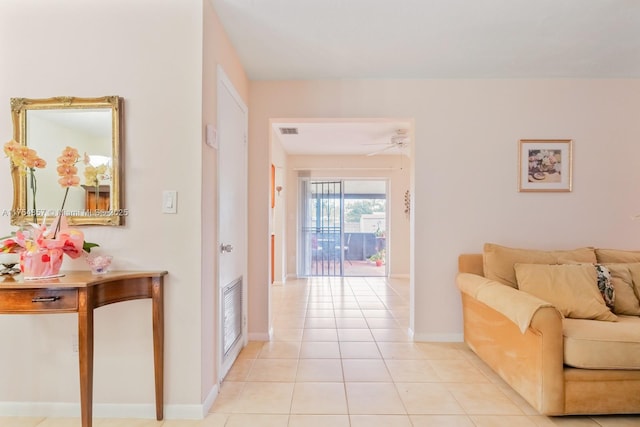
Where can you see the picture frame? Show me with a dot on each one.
(545, 165)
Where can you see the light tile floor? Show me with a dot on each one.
(341, 357)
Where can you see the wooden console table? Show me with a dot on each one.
(81, 292)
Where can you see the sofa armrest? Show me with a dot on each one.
(517, 306)
(529, 359)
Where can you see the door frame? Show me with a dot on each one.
(222, 365)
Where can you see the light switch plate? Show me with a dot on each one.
(170, 201)
(211, 136)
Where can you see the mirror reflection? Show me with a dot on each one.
(92, 127)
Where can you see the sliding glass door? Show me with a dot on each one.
(343, 228)
(322, 228)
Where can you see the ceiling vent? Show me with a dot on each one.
(289, 131)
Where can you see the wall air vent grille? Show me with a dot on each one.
(231, 315)
(289, 131)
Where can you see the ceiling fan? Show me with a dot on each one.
(400, 139)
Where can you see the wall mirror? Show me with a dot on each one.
(93, 126)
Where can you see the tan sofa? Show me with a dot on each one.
(560, 365)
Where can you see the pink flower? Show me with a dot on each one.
(9, 246)
(69, 181)
(22, 156)
(66, 169)
(69, 156)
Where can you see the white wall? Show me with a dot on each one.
(150, 53)
(465, 168)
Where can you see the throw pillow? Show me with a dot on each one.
(626, 301)
(604, 285)
(499, 260)
(571, 288)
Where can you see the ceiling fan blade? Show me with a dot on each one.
(390, 147)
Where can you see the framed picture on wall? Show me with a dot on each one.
(545, 165)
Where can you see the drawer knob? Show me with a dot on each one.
(46, 299)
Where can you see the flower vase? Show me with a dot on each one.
(41, 263)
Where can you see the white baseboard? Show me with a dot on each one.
(438, 337)
(41, 409)
(209, 400)
(258, 336)
(106, 410)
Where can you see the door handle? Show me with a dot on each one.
(226, 248)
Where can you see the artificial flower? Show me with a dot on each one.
(10, 246)
(26, 160)
(67, 181)
(69, 156)
(66, 169)
(41, 248)
(93, 174)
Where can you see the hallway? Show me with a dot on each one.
(341, 356)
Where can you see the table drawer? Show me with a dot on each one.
(38, 300)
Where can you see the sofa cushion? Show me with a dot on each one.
(634, 269)
(498, 261)
(590, 344)
(571, 288)
(626, 301)
(616, 255)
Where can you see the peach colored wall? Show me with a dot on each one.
(217, 50)
(465, 168)
(151, 54)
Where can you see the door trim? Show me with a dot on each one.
(223, 365)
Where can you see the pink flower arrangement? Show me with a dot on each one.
(40, 247)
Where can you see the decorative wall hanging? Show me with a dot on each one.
(545, 165)
(407, 203)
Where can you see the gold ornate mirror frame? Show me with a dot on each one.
(48, 126)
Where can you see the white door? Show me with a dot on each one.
(232, 222)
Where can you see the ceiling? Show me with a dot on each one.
(425, 39)
(333, 39)
(347, 137)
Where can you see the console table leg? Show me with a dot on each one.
(85, 354)
(157, 294)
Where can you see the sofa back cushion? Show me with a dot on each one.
(634, 268)
(499, 261)
(571, 288)
(626, 299)
(616, 255)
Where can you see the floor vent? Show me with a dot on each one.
(231, 315)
